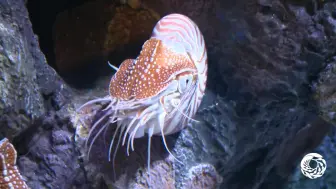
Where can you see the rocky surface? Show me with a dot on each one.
(325, 91)
(34, 105)
(20, 100)
(270, 77)
(324, 87)
(29, 87)
(327, 150)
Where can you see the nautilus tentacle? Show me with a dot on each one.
(159, 92)
(112, 66)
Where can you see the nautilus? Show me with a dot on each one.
(160, 91)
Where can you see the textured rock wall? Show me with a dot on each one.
(324, 92)
(29, 87)
(34, 105)
(20, 98)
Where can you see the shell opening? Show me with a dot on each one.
(135, 117)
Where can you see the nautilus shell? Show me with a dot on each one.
(10, 176)
(160, 91)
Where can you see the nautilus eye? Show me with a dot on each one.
(175, 102)
(185, 82)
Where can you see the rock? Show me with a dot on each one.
(20, 100)
(29, 87)
(50, 159)
(325, 91)
(259, 116)
(324, 87)
(262, 59)
(327, 150)
(34, 107)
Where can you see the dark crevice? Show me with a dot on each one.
(95, 67)
(43, 15)
(248, 172)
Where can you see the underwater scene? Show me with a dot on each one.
(167, 94)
